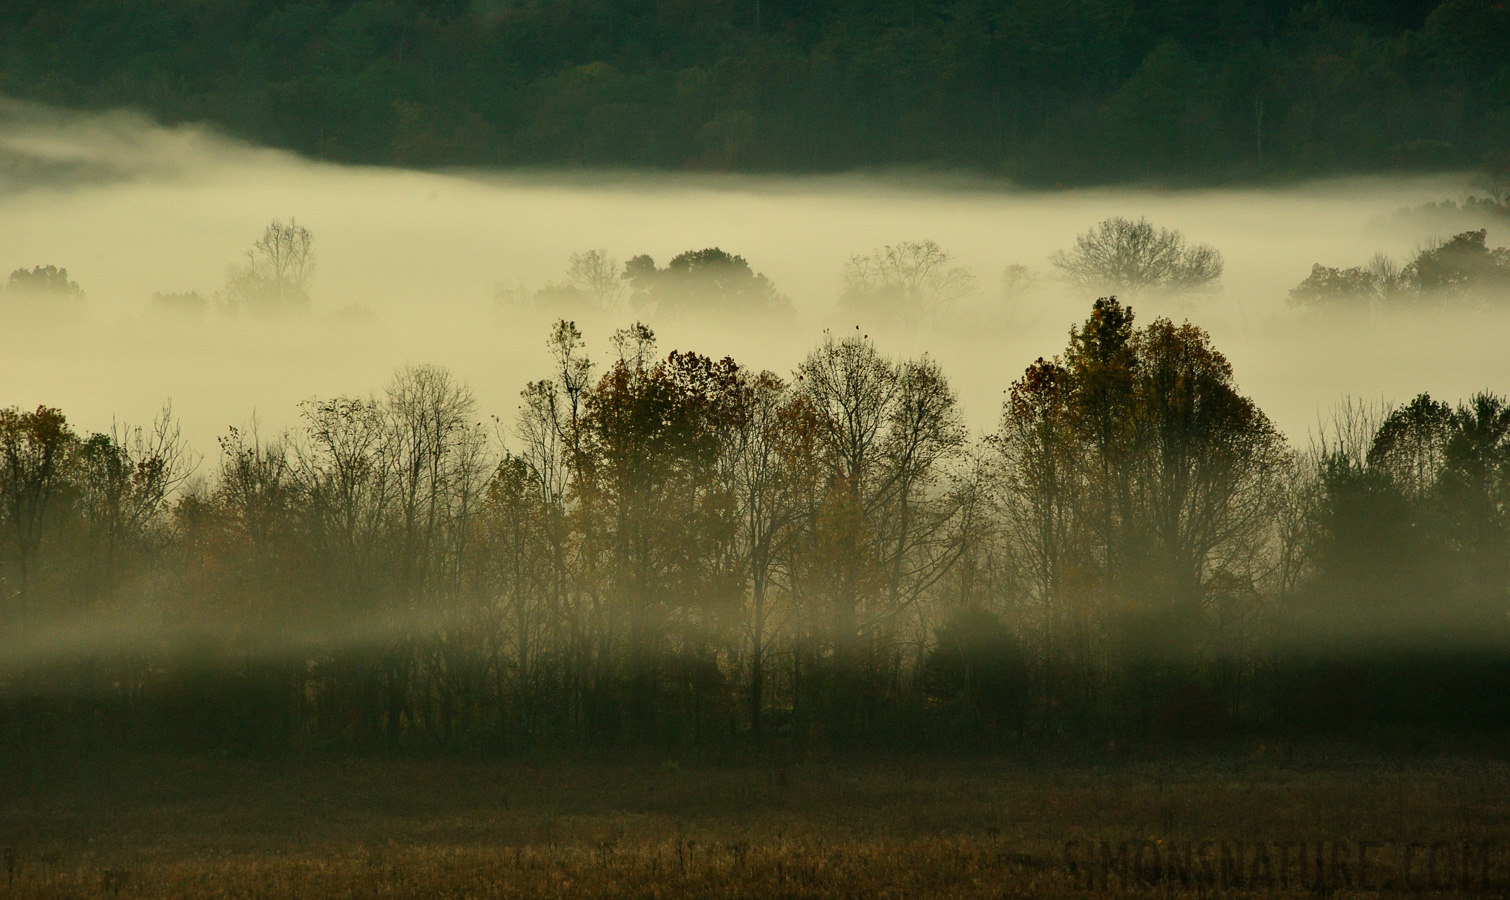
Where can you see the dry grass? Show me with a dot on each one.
(364, 828)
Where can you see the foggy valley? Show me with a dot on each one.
(954, 448)
(410, 266)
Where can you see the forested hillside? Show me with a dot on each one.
(1044, 91)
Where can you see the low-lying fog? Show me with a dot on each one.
(410, 265)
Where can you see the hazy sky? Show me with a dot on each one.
(130, 209)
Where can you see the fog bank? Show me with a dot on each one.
(410, 263)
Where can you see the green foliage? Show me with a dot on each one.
(1090, 90)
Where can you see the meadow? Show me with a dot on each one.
(166, 826)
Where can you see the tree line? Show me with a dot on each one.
(671, 550)
(1036, 90)
(1453, 270)
(902, 283)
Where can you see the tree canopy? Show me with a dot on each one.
(1094, 90)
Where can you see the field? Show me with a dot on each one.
(899, 827)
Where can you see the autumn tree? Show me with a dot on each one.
(35, 451)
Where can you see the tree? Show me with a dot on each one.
(1475, 494)
(185, 305)
(1017, 281)
(1040, 496)
(1462, 265)
(593, 282)
(43, 286)
(909, 281)
(702, 282)
(1137, 459)
(768, 499)
(1207, 455)
(652, 436)
(977, 667)
(35, 450)
(514, 565)
(1410, 445)
(126, 479)
(1132, 258)
(277, 273)
(1379, 282)
(886, 433)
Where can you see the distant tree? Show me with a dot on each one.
(698, 281)
(277, 273)
(1381, 281)
(1470, 212)
(1016, 281)
(907, 281)
(593, 282)
(596, 274)
(41, 285)
(1463, 264)
(1130, 258)
(187, 304)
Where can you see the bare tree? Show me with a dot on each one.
(277, 273)
(440, 466)
(597, 275)
(593, 283)
(1126, 257)
(908, 281)
(1017, 281)
(126, 479)
(885, 431)
(769, 509)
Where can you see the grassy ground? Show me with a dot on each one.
(911, 827)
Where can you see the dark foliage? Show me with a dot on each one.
(1090, 90)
